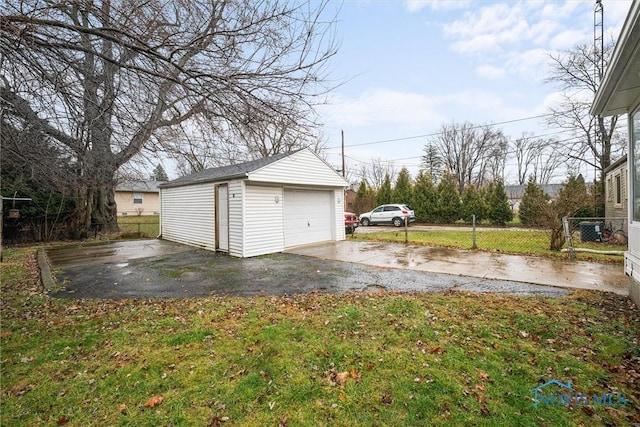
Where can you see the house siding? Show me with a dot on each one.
(236, 217)
(264, 220)
(124, 203)
(188, 215)
(301, 168)
(339, 201)
(612, 208)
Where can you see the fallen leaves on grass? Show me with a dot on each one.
(154, 401)
(340, 378)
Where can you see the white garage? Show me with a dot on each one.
(255, 208)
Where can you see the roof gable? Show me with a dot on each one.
(302, 167)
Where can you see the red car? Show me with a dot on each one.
(350, 222)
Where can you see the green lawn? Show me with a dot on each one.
(357, 359)
(139, 226)
(516, 241)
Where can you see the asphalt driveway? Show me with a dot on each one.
(161, 269)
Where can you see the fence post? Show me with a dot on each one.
(406, 230)
(474, 246)
(566, 226)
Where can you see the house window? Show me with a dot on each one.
(137, 198)
(634, 164)
(618, 190)
(609, 190)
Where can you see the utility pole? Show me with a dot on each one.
(344, 174)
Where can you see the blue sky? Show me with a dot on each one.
(411, 66)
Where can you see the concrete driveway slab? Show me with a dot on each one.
(480, 264)
(159, 269)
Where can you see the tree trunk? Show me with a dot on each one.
(105, 213)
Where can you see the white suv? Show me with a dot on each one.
(388, 214)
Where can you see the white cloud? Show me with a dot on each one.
(383, 106)
(490, 72)
(568, 39)
(530, 64)
(488, 29)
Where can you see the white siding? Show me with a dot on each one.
(339, 214)
(263, 220)
(236, 218)
(301, 168)
(188, 215)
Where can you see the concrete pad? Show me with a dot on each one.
(480, 264)
(159, 269)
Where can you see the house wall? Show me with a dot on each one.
(188, 215)
(263, 220)
(613, 207)
(632, 257)
(339, 215)
(150, 203)
(236, 217)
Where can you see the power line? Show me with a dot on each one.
(439, 133)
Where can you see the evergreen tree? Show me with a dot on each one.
(499, 211)
(403, 189)
(473, 203)
(384, 193)
(159, 174)
(432, 162)
(448, 199)
(532, 205)
(425, 198)
(365, 198)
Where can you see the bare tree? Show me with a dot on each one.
(377, 171)
(102, 78)
(537, 158)
(468, 150)
(593, 142)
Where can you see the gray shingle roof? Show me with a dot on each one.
(517, 191)
(140, 186)
(238, 170)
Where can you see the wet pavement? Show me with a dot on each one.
(480, 264)
(161, 269)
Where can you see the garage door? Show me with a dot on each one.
(307, 217)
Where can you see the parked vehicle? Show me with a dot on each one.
(350, 222)
(388, 214)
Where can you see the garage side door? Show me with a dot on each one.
(308, 217)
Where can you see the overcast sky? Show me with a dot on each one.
(411, 66)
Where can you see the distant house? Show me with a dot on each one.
(515, 193)
(616, 194)
(138, 198)
(350, 200)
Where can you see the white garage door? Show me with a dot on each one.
(308, 217)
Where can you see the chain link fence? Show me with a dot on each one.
(604, 235)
